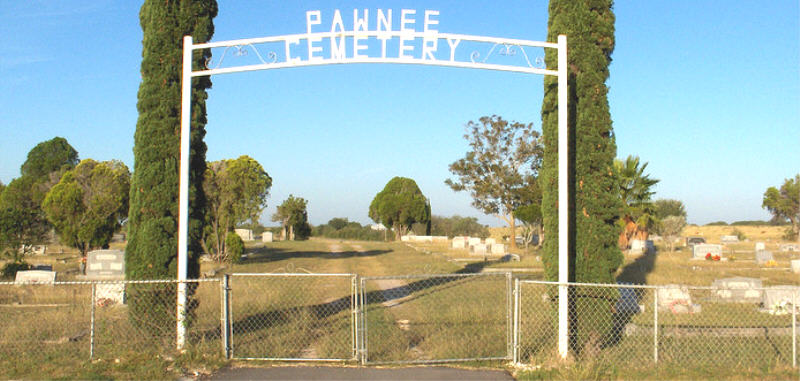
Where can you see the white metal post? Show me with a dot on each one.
(563, 196)
(516, 322)
(655, 325)
(183, 207)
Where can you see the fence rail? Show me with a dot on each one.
(400, 319)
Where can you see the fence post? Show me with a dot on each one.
(509, 317)
(515, 343)
(363, 322)
(655, 325)
(794, 329)
(226, 314)
(91, 321)
(354, 307)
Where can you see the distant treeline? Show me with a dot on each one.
(749, 223)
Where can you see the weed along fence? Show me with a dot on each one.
(399, 319)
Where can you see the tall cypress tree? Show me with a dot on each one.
(153, 219)
(594, 206)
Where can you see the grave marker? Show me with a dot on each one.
(738, 289)
(107, 265)
(699, 251)
(244, 234)
(266, 237)
(676, 299)
(763, 256)
(497, 248)
(729, 239)
(779, 300)
(478, 249)
(760, 246)
(473, 241)
(459, 242)
(790, 247)
(490, 241)
(35, 276)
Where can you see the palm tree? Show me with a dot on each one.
(635, 190)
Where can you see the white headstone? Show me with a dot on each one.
(796, 266)
(729, 239)
(790, 247)
(738, 289)
(490, 241)
(266, 237)
(405, 238)
(35, 276)
(109, 293)
(498, 248)
(763, 256)
(638, 246)
(780, 299)
(459, 242)
(244, 234)
(473, 241)
(676, 299)
(699, 251)
(760, 246)
(478, 249)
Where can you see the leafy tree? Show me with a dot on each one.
(399, 205)
(19, 230)
(293, 217)
(670, 228)
(89, 203)
(594, 203)
(2, 188)
(153, 222)
(49, 156)
(458, 226)
(667, 207)
(338, 223)
(635, 191)
(503, 156)
(784, 203)
(236, 193)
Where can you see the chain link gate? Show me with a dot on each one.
(435, 318)
(291, 317)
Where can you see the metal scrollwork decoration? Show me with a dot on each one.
(508, 50)
(242, 51)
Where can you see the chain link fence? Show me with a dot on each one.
(674, 325)
(398, 319)
(63, 322)
(436, 318)
(309, 317)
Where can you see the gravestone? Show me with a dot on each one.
(497, 248)
(107, 265)
(638, 246)
(779, 299)
(490, 241)
(676, 299)
(473, 241)
(763, 256)
(738, 289)
(244, 234)
(478, 249)
(266, 237)
(729, 239)
(42, 267)
(35, 276)
(796, 266)
(699, 251)
(760, 246)
(459, 242)
(405, 238)
(628, 302)
(790, 247)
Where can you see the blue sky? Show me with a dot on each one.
(706, 92)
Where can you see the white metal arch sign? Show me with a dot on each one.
(403, 36)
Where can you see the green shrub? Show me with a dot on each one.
(738, 233)
(235, 247)
(10, 269)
